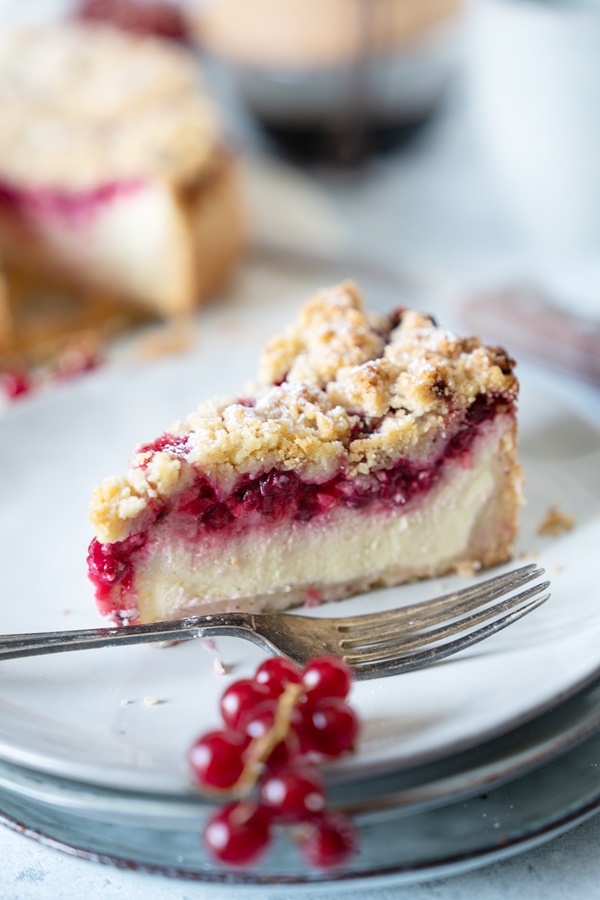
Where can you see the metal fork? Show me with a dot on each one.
(374, 645)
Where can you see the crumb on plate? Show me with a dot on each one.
(468, 568)
(555, 522)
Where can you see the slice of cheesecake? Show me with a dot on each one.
(114, 176)
(374, 450)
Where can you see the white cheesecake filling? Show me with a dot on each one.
(275, 567)
(135, 242)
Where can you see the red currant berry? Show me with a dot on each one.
(284, 753)
(294, 795)
(216, 759)
(238, 833)
(257, 721)
(15, 384)
(327, 676)
(331, 842)
(302, 727)
(276, 673)
(334, 727)
(239, 698)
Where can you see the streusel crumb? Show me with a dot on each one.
(332, 331)
(343, 388)
(556, 522)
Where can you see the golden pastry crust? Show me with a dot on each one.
(360, 392)
(84, 106)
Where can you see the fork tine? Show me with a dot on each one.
(396, 665)
(448, 605)
(387, 648)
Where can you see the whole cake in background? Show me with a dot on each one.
(114, 176)
(374, 450)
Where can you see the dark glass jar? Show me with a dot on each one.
(336, 78)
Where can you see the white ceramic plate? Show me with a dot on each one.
(155, 835)
(65, 715)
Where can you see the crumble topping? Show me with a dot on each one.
(119, 505)
(292, 426)
(341, 389)
(83, 106)
(555, 522)
(332, 330)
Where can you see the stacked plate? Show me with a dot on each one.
(460, 763)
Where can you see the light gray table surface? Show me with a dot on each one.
(434, 211)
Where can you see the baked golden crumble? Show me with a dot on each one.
(555, 522)
(332, 330)
(342, 389)
(80, 105)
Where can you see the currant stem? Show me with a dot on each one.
(261, 748)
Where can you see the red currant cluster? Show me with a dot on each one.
(278, 725)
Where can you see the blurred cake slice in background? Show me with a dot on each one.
(114, 176)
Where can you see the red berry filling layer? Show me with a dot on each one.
(74, 208)
(271, 497)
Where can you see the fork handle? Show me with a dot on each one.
(237, 624)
